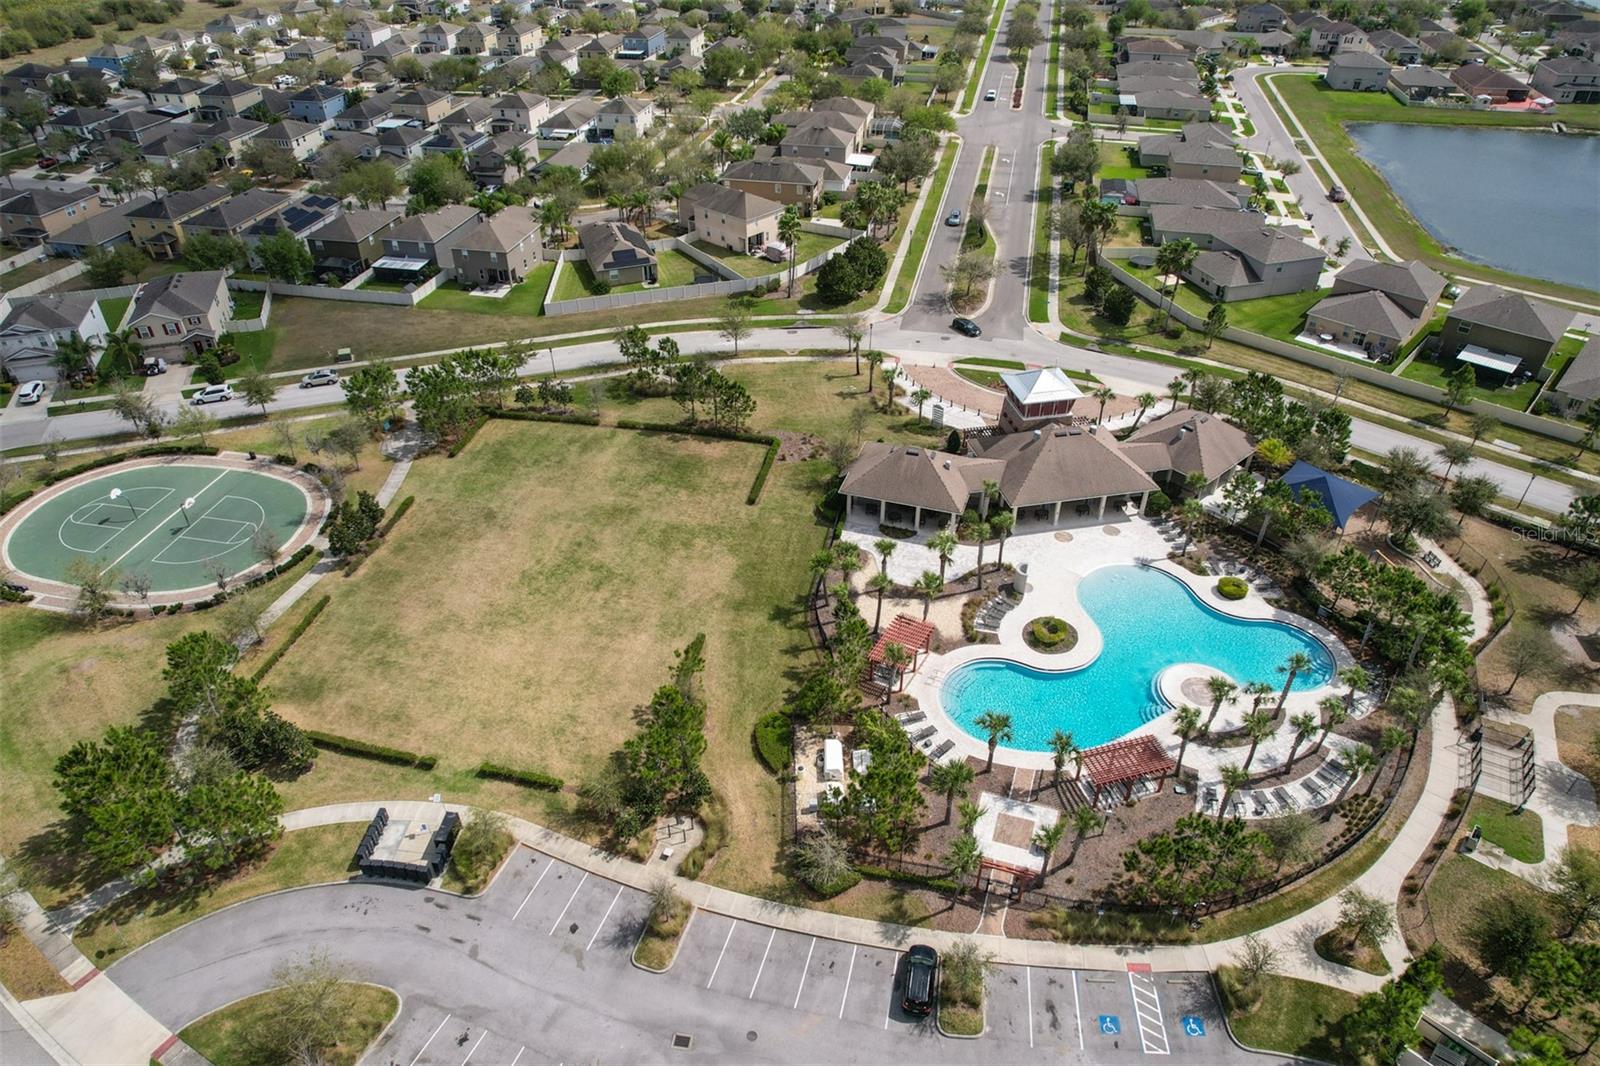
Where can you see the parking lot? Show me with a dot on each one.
(737, 982)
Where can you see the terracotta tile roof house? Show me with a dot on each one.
(617, 253)
(1181, 443)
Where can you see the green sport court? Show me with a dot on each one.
(135, 520)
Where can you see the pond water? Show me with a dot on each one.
(1519, 200)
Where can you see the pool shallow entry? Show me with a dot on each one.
(1149, 621)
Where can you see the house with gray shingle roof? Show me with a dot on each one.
(729, 218)
(176, 316)
(1580, 385)
(1504, 332)
(617, 253)
(32, 330)
(1360, 72)
(1242, 257)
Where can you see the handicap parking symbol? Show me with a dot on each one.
(1110, 1025)
(1194, 1025)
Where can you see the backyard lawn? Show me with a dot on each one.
(1429, 370)
(247, 304)
(746, 266)
(1519, 834)
(674, 269)
(1118, 161)
(576, 281)
(113, 310)
(524, 299)
(13, 279)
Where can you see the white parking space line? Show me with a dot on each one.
(518, 1059)
(894, 968)
(851, 972)
(721, 953)
(1147, 1011)
(425, 1043)
(763, 966)
(1028, 972)
(570, 898)
(604, 919)
(474, 1047)
(547, 864)
(1077, 1009)
(803, 970)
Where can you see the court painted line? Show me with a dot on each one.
(1028, 972)
(425, 1043)
(721, 953)
(518, 1059)
(548, 863)
(803, 970)
(570, 898)
(1077, 1009)
(770, 937)
(170, 517)
(475, 1044)
(603, 920)
(848, 974)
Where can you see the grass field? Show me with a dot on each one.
(1039, 266)
(524, 299)
(223, 1036)
(1323, 113)
(113, 310)
(1294, 1016)
(1117, 161)
(576, 280)
(1519, 834)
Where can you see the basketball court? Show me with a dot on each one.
(174, 523)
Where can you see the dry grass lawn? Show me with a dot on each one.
(25, 972)
(1578, 737)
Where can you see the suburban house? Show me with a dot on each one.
(1039, 472)
(573, 122)
(227, 99)
(1416, 84)
(1357, 72)
(1149, 193)
(438, 37)
(518, 112)
(350, 243)
(574, 154)
(476, 39)
(1203, 150)
(36, 215)
(496, 162)
(300, 219)
(1037, 397)
(617, 253)
(818, 140)
(624, 117)
(1488, 85)
(787, 181)
(158, 226)
(729, 218)
(1568, 80)
(690, 40)
(316, 103)
(1377, 307)
(1395, 47)
(179, 315)
(299, 139)
(403, 143)
(106, 229)
(31, 330)
(1152, 50)
(137, 127)
(236, 214)
(1181, 444)
(503, 249)
(366, 114)
(425, 105)
(1505, 332)
(413, 245)
(519, 39)
(1242, 258)
(85, 123)
(178, 95)
(311, 49)
(1260, 18)
(1329, 37)
(1169, 105)
(643, 42)
(1579, 386)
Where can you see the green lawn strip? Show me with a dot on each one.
(113, 309)
(980, 62)
(1001, 364)
(1520, 834)
(1430, 372)
(988, 379)
(303, 857)
(1053, 85)
(746, 266)
(255, 349)
(526, 298)
(247, 304)
(225, 1036)
(901, 294)
(1292, 1016)
(1039, 267)
(1323, 113)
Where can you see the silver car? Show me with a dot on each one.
(319, 377)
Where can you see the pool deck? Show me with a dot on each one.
(1056, 562)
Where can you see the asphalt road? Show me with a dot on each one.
(538, 970)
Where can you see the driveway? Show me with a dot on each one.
(538, 970)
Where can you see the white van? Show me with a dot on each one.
(213, 394)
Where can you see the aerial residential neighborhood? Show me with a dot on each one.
(820, 531)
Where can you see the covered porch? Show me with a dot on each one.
(898, 515)
(1065, 513)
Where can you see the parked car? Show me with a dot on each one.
(30, 393)
(953, 218)
(213, 394)
(990, 95)
(966, 326)
(921, 980)
(320, 377)
(152, 366)
(1336, 194)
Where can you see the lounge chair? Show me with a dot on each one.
(1285, 801)
(943, 749)
(1316, 795)
(912, 717)
(1258, 803)
(924, 734)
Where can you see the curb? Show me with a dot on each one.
(938, 1023)
(633, 956)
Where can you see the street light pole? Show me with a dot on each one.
(1524, 495)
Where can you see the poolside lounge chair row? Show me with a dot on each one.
(990, 614)
(1318, 789)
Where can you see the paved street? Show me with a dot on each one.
(539, 970)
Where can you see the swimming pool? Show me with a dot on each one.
(1150, 621)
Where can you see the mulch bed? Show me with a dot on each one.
(798, 447)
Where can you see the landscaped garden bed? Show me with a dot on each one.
(1050, 635)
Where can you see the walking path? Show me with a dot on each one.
(1479, 607)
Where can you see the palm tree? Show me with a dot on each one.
(980, 531)
(1233, 779)
(1145, 400)
(1172, 259)
(885, 547)
(1002, 522)
(964, 859)
(1390, 740)
(951, 778)
(1099, 218)
(1048, 839)
(1104, 395)
(920, 396)
(517, 157)
(554, 214)
(989, 489)
(1358, 760)
(874, 361)
(124, 350)
(1085, 820)
(1062, 747)
(880, 584)
(1186, 723)
(1192, 515)
(944, 544)
(997, 725)
(1258, 691)
(73, 356)
(1356, 679)
(1305, 725)
(897, 659)
(1454, 453)
(970, 813)
(1293, 665)
(1222, 691)
(1258, 726)
(789, 234)
(1175, 392)
(1333, 716)
(928, 586)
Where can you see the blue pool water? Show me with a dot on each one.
(1150, 621)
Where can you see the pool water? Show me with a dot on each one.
(1150, 621)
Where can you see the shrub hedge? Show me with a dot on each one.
(772, 737)
(466, 436)
(1232, 588)
(573, 419)
(531, 778)
(883, 873)
(394, 516)
(294, 634)
(364, 750)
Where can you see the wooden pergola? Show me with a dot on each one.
(1122, 762)
(916, 637)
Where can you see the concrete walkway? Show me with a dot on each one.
(1481, 610)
